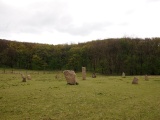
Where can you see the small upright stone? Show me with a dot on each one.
(94, 75)
(70, 76)
(57, 76)
(29, 77)
(135, 80)
(84, 73)
(123, 75)
(23, 78)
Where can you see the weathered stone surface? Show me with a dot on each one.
(123, 75)
(29, 77)
(135, 80)
(84, 73)
(23, 78)
(94, 75)
(70, 76)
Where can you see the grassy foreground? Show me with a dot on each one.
(102, 98)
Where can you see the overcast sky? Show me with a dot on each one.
(75, 21)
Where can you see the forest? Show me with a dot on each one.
(134, 56)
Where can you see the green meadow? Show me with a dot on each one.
(103, 98)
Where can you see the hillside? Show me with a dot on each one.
(108, 56)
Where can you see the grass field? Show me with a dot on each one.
(102, 98)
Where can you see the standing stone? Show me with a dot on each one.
(135, 80)
(146, 78)
(23, 78)
(84, 73)
(70, 76)
(94, 75)
(29, 77)
(56, 76)
(123, 75)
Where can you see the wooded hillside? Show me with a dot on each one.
(109, 56)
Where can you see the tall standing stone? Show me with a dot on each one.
(84, 73)
(123, 75)
(70, 76)
(135, 80)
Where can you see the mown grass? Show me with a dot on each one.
(102, 98)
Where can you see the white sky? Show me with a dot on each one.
(75, 21)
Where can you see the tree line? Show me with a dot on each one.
(134, 56)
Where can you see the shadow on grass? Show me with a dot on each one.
(157, 80)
